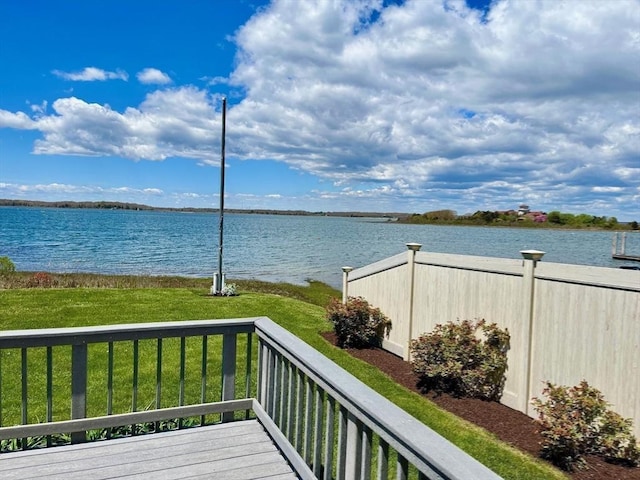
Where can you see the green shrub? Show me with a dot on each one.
(455, 359)
(7, 267)
(356, 323)
(576, 421)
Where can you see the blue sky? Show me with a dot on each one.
(336, 105)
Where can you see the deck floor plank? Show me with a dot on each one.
(239, 450)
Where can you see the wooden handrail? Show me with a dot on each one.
(362, 413)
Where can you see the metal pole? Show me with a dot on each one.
(218, 286)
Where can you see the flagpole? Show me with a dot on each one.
(219, 284)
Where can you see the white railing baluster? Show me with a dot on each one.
(24, 376)
(298, 412)
(383, 460)
(329, 438)
(317, 431)
(290, 412)
(283, 393)
(273, 384)
(229, 344)
(353, 447)
(49, 389)
(402, 468)
(342, 443)
(308, 420)
(367, 444)
(263, 374)
(248, 371)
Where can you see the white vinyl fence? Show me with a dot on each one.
(567, 322)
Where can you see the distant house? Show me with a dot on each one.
(523, 210)
(538, 217)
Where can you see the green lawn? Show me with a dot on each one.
(299, 309)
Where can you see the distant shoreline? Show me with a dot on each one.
(393, 217)
(106, 205)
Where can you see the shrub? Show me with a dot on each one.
(576, 421)
(455, 359)
(229, 290)
(356, 323)
(7, 267)
(40, 279)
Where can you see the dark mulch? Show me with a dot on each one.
(511, 426)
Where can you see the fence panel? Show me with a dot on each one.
(462, 291)
(387, 282)
(567, 322)
(589, 331)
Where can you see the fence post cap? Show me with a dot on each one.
(414, 246)
(532, 254)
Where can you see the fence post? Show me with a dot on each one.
(531, 258)
(413, 248)
(345, 283)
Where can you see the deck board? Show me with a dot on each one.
(239, 450)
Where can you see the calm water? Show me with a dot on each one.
(267, 247)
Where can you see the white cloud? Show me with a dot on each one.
(92, 74)
(153, 76)
(18, 120)
(62, 188)
(543, 95)
(212, 81)
(175, 122)
(40, 109)
(606, 189)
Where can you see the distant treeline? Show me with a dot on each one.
(106, 205)
(553, 219)
(68, 204)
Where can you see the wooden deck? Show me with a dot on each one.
(239, 450)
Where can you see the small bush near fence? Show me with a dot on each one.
(577, 421)
(454, 358)
(357, 324)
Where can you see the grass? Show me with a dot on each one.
(117, 299)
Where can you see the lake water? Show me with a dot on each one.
(266, 247)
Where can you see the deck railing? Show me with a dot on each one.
(327, 423)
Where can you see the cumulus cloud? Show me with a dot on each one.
(92, 74)
(62, 188)
(175, 122)
(153, 76)
(430, 98)
(18, 120)
(427, 102)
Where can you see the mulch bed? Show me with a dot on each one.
(511, 426)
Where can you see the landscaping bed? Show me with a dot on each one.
(509, 425)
